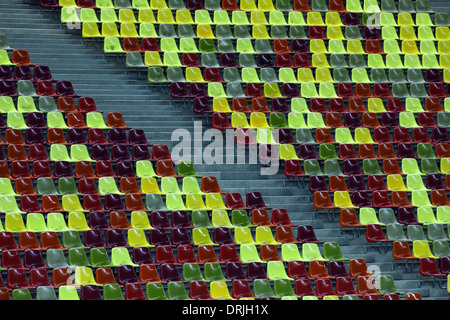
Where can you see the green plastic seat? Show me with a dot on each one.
(25, 88)
(290, 252)
(212, 271)
(410, 166)
(55, 258)
(15, 120)
(276, 270)
(46, 293)
(36, 222)
(21, 294)
(4, 43)
(192, 272)
(441, 248)
(249, 253)
(4, 58)
(68, 292)
(283, 289)
(169, 185)
(429, 166)
(343, 135)
(425, 150)
(8, 204)
(201, 236)
(308, 90)
(7, 104)
(371, 166)
(95, 120)
(312, 167)
(77, 257)
(177, 291)
(121, 256)
(387, 285)
(239, 218)
(6, 188)
(420, 198)
(413, 104)
(155, 291)
(415, 182)
(327, 151)
(112, 291)
(311, 251)
(262, 289)
(368, 216)
(407, 120)
(144, 168)
(56, 222)
(331, 167)
(99, 257)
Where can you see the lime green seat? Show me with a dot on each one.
(249, 253)
(276, 270)
(140, 220)
(311, 251)
(201, 236)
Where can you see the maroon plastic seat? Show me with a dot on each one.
(41, 72)
(306, 234)
(113, 202)
(316, 32)
(5, 73)
(169, 272)
(290, 90)
(23, 72)
(126, 274)
(302, 60)
(188, 59)
(233, 200)
(65, 88)
(45, 88)
(142, 255)
(234, 271)
(283, 60)
(253, 90)
(228, 60)
(7, 88)
(93, 238)
(345, 90)
(179, 90)
(265, 60)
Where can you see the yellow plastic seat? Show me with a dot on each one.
(258, 120)
(343, 200)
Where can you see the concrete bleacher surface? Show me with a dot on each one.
(149, 106)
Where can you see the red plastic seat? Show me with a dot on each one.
(45, 88)
(21, 57)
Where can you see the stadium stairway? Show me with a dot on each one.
(41, 34)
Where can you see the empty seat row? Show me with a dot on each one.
(311, 167)
(160, 75)
(321, 105)
(420, 217)
(48, 104)
(249, 6)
